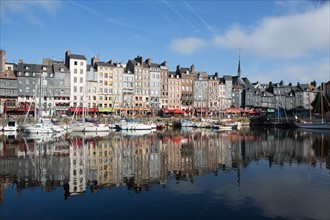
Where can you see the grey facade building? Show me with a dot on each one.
(228, 82)
(8, 90)
(154, 84)
(201, 91)
(60, 87)
(35, 84)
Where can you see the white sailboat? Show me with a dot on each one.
(42, 126)
(85, 126)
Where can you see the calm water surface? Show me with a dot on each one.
(171, 174)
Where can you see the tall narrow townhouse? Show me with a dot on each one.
(128, 92)
(174, 90)
(110, 85)
(213, 86)
(91, 91)
(222, 95)
(77, 64)
(154, 85)
(228, 82)
(201, 91)
(60, 87)
(163, 100)
(187, 79)
(305, 96)
(118, 85)
(8, 85)
(104, 86)
(141, 100)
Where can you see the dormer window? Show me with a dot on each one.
(44, 68)
(62, 69)
(27, 67)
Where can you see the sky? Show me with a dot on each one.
(274, 40)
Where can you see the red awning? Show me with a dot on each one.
(233, 110)
(203, 110)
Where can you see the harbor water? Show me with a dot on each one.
(171, 174)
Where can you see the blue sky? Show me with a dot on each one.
(277, 40)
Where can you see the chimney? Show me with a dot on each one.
(67, 62)
(313, 83)
(3, 60)
(192, 68)
(94, 60)
(139, 59)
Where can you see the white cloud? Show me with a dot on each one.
(295, 72)
(286, 37)
(281, 37)
(188, 45)
(28, 9)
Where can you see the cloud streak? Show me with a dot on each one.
(206, 24)
(183, 18)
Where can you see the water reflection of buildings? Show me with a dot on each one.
(140, 162)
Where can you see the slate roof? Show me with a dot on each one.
(33, 68)
(58, 65)
(77, 57)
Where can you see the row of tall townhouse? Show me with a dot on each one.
(56, 87)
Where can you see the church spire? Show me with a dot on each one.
(239, 63)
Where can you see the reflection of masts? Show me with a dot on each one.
(322, 142)
(309, 104)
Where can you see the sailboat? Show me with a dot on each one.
(314, 124)
(85, 126)
(42, 126)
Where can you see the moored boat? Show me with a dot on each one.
(11, 126)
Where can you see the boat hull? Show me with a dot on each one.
(314, 126)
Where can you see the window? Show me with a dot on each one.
(74, 79)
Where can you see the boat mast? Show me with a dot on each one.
(309, 103)
(201, 103)
(322, 110)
